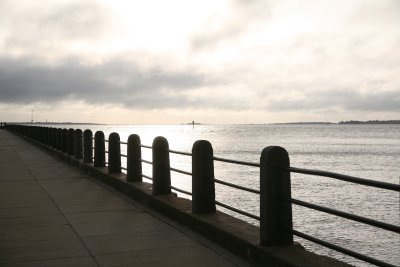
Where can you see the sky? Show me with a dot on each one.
(175, 61)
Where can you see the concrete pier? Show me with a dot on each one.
(51, 214)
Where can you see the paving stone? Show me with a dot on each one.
(22, 235)
(54, 249)
(27, 201)
(107, 244)
(66, 184)
(49, 209)
(19, 186)
(117, 227)
(178, 256)
(33, 221)
(66, 262)
(135, 217)
(100, 205)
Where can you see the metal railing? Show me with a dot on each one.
(275, 189)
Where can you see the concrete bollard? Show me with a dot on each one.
(59, 139)
(78, 144)
(161, 167)
(203, 186)
(64, 140)
(87, 146)
(275, 208)
(49, 131)
(114, 153)
(134, 159)
(70, 142)
(52, 137)
(99, 150)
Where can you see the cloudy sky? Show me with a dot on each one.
(225, 61)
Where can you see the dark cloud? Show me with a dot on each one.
(114, 82)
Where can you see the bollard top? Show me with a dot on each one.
(113, 136)
(99, 134)
(87, 131)
(275, 153)
(202, 146)
(134, 138)
(160, 141)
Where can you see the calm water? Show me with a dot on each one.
(367, 151)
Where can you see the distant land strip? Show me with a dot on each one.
(345, 122)
(371, 122)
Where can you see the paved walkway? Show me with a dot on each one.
(53, 215)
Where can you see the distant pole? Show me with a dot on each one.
(193, 124)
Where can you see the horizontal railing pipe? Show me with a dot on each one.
(347, 178)
(245, 163)
(180, 153)
(251, 190)
(341, 249)
(238, 211)
(349, 216)
(181, 171)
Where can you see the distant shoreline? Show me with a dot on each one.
(347, 122)
(370, 122)
(350, 122)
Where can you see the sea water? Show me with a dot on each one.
(365, 151)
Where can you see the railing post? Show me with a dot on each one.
(64, 140)
(70, 145)
(114, 153)
(48, 136)
(275, 207)
(78, 144)
(54, 137)
(59, 139)
(43, 135)
(87, 146)
(161, 167)
(134, 159)
(99, 150)
(203, 186)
